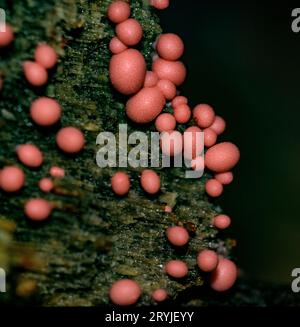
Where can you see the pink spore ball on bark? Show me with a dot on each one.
(224, 178)
(70, 140)
(125, 292)
(30, 155)
(182, 113)
(146, 105)
(165, 122)
(224, 276)
(57, 172)
(221, 221)
(178, 100)
(177, 235)
(222, 157)
(12, 179)
(219, 125)
(129, 32)
(168, 209)
(127, 71)
(170, 46)
(213, 188)
(35, 73)
(46, 56)
(120, 183)
(171, 143)
(38, 209)
(116, 46)
(207, 260)
(210, 137)
(204, 115)
(6, 36)
(193, 142)
(167, 88)
(45, 111)
(160, 4)
(118, 11)
(151, 79)
(174, 71)
(46, 184)
(176, 268)
(150, 181)
(159, 295)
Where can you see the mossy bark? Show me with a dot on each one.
(93, 237)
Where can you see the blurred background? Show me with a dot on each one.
(243, 59)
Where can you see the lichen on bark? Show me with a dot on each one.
(92, 238)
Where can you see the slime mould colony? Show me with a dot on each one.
(98, 235)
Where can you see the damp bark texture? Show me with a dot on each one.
(92, 238)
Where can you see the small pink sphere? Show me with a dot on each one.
(204, 115)
(170, 46)
(177, 235)
(35, 74)
(210, 137)
(70, 140)
(46, 56)
(165, 122)
(221, 221)
(46, 184)
(127, 71)
(116, 46)
(168, 209)
(146, 105)
(151, 79)
(207, 260)
(167, 88)
(12, 179)
(224, 276)
(150, 181)
(118, 11)
(182, 113)
(125, 292)
(30, 155)
(45, 111)
(38, 209)
(159, 295)
(171, 143)
(129, 32)
(160, 4)
(222, 157)
(120, 183)
(198, 164)
(213, 188)
(179, 100)
(57, 172)
(176, 268)
(174, 71)
(218, 125)
(193, 142)
(7, 36)
(224, 178)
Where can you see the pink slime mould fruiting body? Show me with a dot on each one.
(30, 155)
(45, 111)
(12, 179)
(125, 292)
(120, 183)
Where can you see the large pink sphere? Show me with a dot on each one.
(120, 183)
(12, 179)
(213, 188)
(45, 111)
(177, 235)
(207, 260)
(170, 46)
(70, 140)
(222, 157)
(221, 221)
(179, 100)
(125, 292)
(118, 11)
(182, 113)
(174, 71)
(127, 71)
(165, 122)
(150, 181)
(30, 155)
(129, 32)
(204, 115)
(176, 268)
(224, 276)
(37, 209)
(7, 36)
(146, 105)
(45, 55)
(35, 73)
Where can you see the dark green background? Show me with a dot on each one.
(244, 59)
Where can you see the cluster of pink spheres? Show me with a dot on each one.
(44, 112)
(148, 93)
